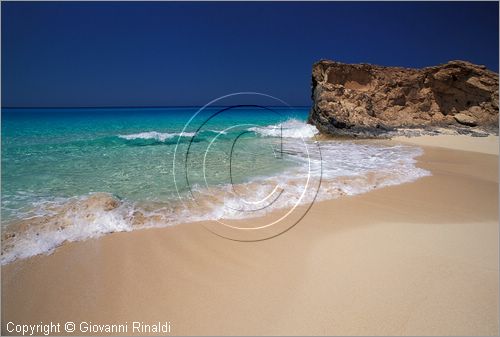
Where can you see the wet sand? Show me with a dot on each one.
(414, 259)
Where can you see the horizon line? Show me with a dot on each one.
(139, 107)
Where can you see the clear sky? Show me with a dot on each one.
(167, 53)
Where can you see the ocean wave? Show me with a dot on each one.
(342, 168)
(222, 132)
(292, 128)
(73, 220)
(155, 135)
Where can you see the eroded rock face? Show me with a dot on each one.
(367, 100)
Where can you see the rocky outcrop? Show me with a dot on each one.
(367, 100)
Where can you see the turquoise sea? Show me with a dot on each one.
(166, 166)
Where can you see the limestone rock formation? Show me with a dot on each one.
(367, 100)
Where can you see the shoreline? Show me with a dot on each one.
(91, 215)
(415, 258)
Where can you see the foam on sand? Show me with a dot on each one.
(343, 168)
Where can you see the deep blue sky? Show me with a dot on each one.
(165, 53)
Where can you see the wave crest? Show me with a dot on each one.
(155, 135)
(292, 128)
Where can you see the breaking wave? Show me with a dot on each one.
(158, 136)
(292, 128)
(342, 168)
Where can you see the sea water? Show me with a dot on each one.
(63, 168)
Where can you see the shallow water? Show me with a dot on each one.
(224, 164)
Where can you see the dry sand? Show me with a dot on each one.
(418, 258)
(487, 145)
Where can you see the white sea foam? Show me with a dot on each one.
(222, 132)
(343, 167)
(158, 136)
(74, 219)
(292, 128)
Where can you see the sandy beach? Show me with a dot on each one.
(488, 145)
(303, 168)
(419, 258)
